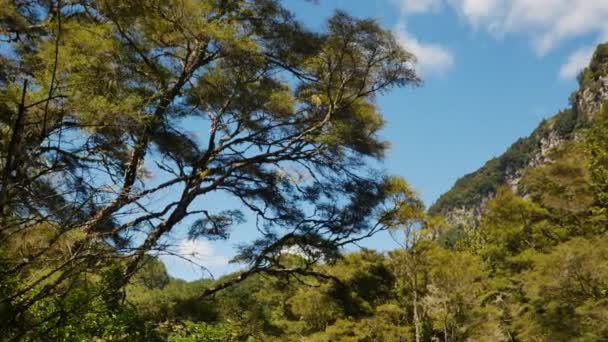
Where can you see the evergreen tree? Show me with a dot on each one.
(120, 119)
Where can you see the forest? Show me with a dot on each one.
(99, 167)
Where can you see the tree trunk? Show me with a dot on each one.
(416, 318)
(445, 324)
(12, 151)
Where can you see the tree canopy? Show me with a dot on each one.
(121, 118)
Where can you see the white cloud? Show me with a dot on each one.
(201, 252)
(195, 259)
(431, 58)
(559, 20)
(577, 61)
(418, 6)
(546, 23)
(477, 12)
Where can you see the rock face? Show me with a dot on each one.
(592, 98)
(463, 205)
(593, 93)
(546, 144)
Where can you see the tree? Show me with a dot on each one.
(563, 185)
(153, 274)
(510, 226)
(100, 163)
(597, 145)
(410, 269)
(408, 261)
(455, 284)
(567, 292)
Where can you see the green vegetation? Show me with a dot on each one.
(597, 68)
(121, 120)
(535, 269)
(99, 168)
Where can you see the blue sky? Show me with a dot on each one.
(492, 70)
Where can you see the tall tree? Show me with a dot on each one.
(409, 260)
(121, 118)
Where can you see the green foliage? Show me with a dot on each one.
(543, 245)
(512, 225)
(600, 59)
(597, 143)
(564, 184)
(92, 309)
(565, 123)
(153, 274)
(387, 324)
(456, 281)
(176, 300)
(92, 94)
(201, 332)
(598, 67)
(568, 292)
(316, 307)
(119, 118)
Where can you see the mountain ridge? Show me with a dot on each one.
(464, 203)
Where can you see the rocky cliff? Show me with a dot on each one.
(464, 203)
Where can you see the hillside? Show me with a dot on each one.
(464, 203)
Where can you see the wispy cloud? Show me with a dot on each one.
(431, 58)
(546, 23)
(418, 6)
(577, 61)
(193, 259)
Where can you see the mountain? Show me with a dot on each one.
(464, 203)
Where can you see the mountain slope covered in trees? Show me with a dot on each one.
(464, 203)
